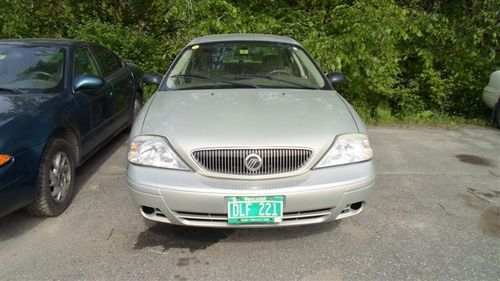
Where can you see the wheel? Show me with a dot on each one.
(56, 180)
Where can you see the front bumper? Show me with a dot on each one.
(18, 180)
(187, 198)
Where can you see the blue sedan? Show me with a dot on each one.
(60, 101)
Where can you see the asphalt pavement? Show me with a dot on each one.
(434, 215)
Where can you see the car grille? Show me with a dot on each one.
(232, 161)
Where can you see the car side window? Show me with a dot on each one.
(85, 63)
(107, 60)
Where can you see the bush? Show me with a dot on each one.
(418, 58)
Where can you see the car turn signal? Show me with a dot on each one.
(4, 159)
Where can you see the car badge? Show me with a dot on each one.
(253, 162)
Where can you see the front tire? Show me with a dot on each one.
(56, 180)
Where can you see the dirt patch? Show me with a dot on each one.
(490, 221)
(471, 200)
(187, 261)
(180, 278)
(475, 160)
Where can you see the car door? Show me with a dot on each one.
(122, 80)
(96, 107)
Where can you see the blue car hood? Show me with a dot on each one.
(13, 105)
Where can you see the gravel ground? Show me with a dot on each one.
(434, 215)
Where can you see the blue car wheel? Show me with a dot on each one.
(56, 179)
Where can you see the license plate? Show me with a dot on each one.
(254, 209)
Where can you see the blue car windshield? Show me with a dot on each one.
(32, 68)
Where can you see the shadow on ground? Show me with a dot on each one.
(91, 166)
(197, 238)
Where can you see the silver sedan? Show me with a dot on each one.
(246, 131)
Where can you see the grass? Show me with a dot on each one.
(425, 118)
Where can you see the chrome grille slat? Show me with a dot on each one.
(280, 161)
(306, 214)
(226, 161)
(231, 160)
(201, 216)
(287, 217)
(274, 161)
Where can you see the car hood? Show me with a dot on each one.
(13, 105)
(194, 119)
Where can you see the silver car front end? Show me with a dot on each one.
(205, 146)
(188, 198)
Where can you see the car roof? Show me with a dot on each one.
(45, 41)
(243, 37)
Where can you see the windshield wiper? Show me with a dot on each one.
(12, 90)
(275, 79)
(212, 79)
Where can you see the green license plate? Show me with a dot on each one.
(254, 209)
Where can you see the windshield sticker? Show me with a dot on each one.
(2, 57)
(195, 47)
(244, 52)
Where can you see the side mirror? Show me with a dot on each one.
(336, 78)
(153, 78)
(88, 82)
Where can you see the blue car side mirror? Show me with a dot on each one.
(88, 82)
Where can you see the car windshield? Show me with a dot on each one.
(244, 65)
(31, 68)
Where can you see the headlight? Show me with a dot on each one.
(154, 151)
(349, 148)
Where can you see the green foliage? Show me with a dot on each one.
(406, 60)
